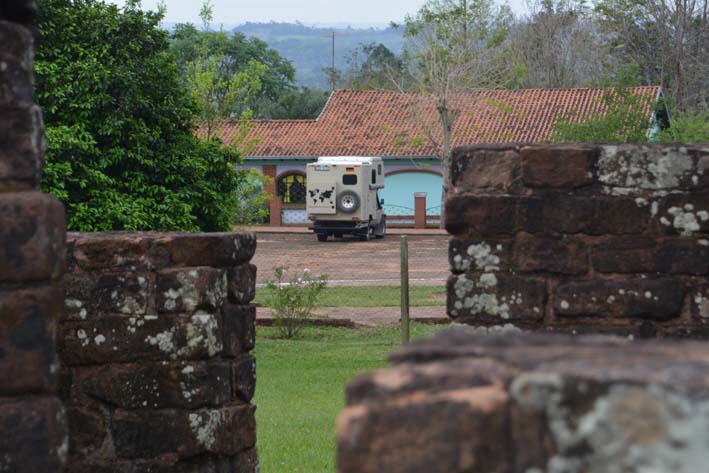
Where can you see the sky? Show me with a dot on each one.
(358, 12)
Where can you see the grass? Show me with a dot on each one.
(369, 296)
(300, 390)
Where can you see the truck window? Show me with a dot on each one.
(349, 179)
(374, 176)
(379, 169)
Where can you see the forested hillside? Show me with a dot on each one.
(310, 48)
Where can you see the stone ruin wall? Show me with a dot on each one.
(581, 239)
(154, 343)
(574, 239)
(32, 232)
(463, 402)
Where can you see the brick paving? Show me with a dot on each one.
(353, 262)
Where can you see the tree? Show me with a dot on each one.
(235, 54)
(687, 128)
(373, 66)
(452, 47)
(122, 153)
(669, 40)
(559, 45)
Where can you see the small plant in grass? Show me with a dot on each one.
(293, 299)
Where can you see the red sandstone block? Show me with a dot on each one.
(699, 296)
(244, 378)
(646, 255)
(565, 166)
(683, 256)
(102, 463)
(239, 328)
(91, 251)
(34, 437)
(156, 385)
(32, 235)
(241, 283)
(685, 214)
(206, 249)
(570, 214)
(594, 215)
(21, 146)
(628, 255)
(496, 297)
(462, 432)
(487, 169)
(484, 216)
(16, 78)
(554, 255)
(18, 10)
(28, 361)
(88, 424)
(116, 339)
(477, 255)
(90, 295)
(658, 299)
(148, 434)
(185, 290)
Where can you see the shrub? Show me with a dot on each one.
(293, 299)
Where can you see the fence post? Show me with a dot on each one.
(404, 290)
(420, 209)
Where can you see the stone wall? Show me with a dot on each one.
(581, 239)
(154, 344)
(32, 229)
(530, 403)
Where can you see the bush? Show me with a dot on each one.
(121, 149)
(293, 299)
(687, 128)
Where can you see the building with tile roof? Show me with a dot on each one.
(402, 128)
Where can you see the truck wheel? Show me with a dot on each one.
(322, 236)
(348, 202)
(367, 236)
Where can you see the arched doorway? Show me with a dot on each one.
(291, 189)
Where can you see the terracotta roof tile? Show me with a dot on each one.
(381, 123)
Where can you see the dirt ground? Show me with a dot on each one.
(351, 262)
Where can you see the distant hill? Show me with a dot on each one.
(310, 47)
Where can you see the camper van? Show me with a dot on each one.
(342, 197)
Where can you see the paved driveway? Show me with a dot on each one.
(352, 262)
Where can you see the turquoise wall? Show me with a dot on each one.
(398, 193)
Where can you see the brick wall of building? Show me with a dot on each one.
(581, 239)
(32, 230)
(154, 343)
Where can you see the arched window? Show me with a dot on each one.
(291, 189)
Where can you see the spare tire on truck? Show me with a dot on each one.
(348, 202)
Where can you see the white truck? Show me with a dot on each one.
(342, 197)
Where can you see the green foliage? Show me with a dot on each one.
(625, 120)
(122, 154)
(293, 300)
(375, 67)
(219, 95)
(297, 104)
(230, 56)
(251, 199)
(687, 128)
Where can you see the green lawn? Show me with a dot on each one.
(300, 390)
(370, 296)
